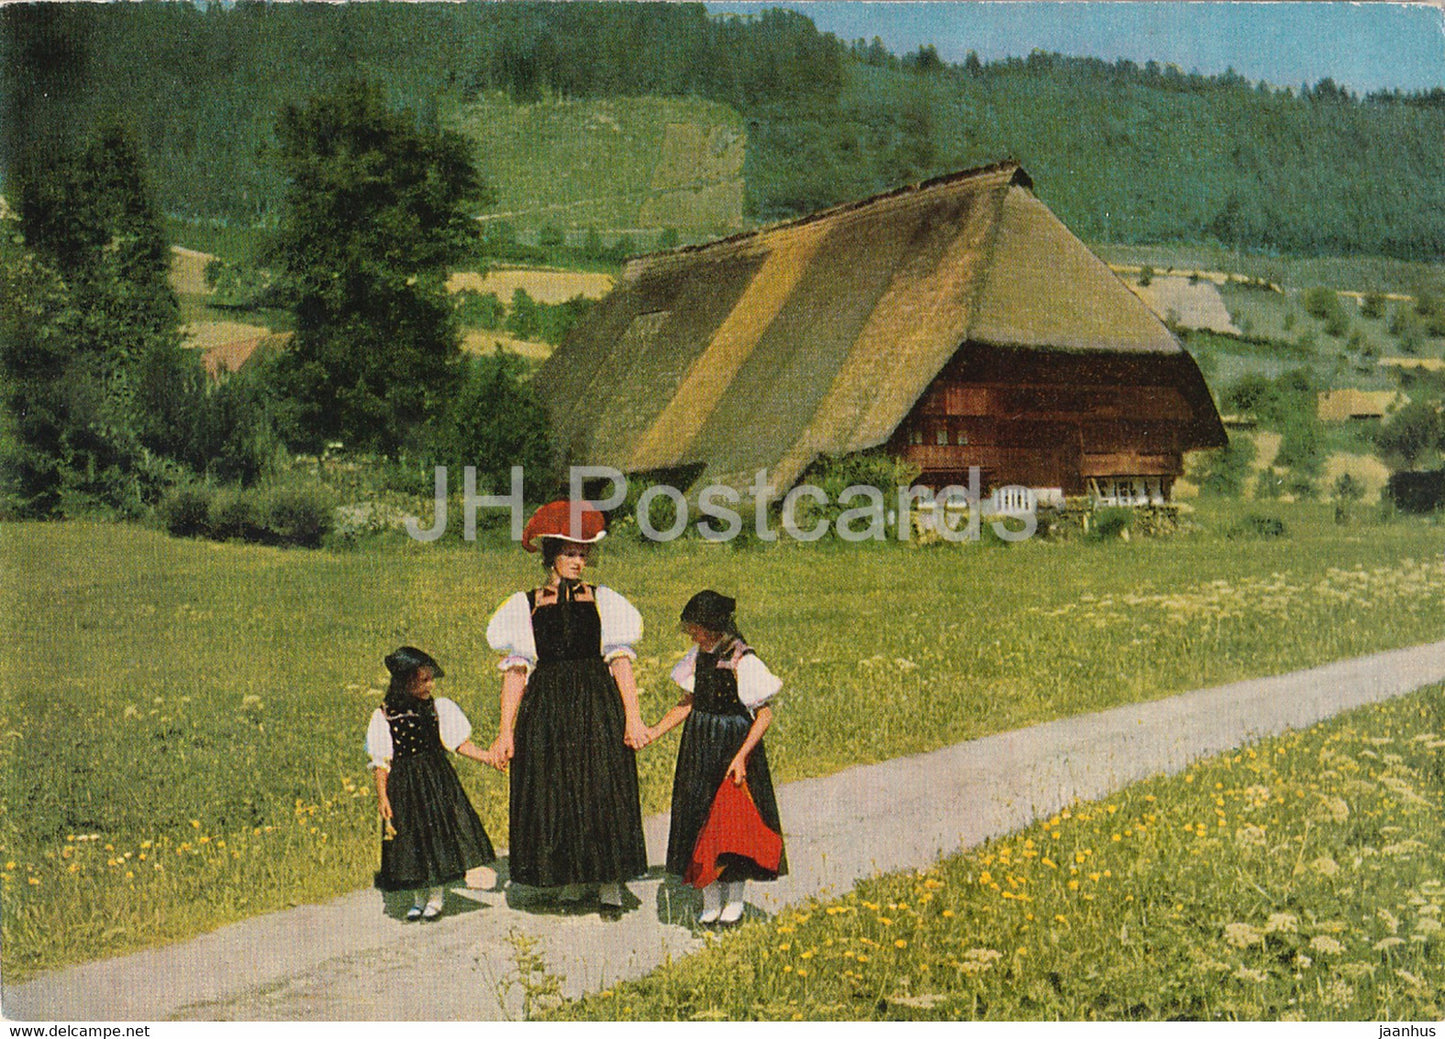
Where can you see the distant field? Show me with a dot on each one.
(1290, 337)
(544, 285)
(482, 341)
(182, 719)
(1350, 273)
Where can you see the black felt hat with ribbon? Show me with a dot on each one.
(407, 659)
(711, 610)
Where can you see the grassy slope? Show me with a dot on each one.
(588, 163)
(166, 691)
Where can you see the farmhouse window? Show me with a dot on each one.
(941, 436)
(962, 439)
(915, 436)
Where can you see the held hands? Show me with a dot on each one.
(500, 753)
(638, 735)
(383, 805)
(738, 770)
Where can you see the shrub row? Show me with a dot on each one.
(299, 514)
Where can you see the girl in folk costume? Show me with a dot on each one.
(726, 710)
(570, 723)
(432, 835)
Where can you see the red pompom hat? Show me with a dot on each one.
(554, 520)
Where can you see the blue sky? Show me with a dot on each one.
(1365, 46)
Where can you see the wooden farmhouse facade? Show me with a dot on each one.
(956, 323)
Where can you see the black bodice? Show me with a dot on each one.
(715, 689)
(567, 629)
(415, 728)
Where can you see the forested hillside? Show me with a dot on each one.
(1121, 152)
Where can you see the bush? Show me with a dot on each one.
(1320, 302)
(297, 514)
(1302, 487)
(1269, 484)
(235, 515)
(494, 422)
(1222, 473)
(1373, 305)
(1410, 433)
(478, 310)
(1302, 447)
(1409, 329)
(1111, 523)
(1417, 490)
(1254, 525)
(185, 510)
(1347, 488)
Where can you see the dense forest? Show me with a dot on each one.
(1122, 152)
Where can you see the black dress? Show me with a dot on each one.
(438, 835)
(713, 733)
(576, 817)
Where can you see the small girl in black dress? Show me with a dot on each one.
(431, 834)
(725, 707)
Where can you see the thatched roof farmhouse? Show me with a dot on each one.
(957, 322)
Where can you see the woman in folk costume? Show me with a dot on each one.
(570, 723)
(726, 710)
(432, 835)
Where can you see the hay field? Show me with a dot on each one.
(543, 284)
(481, 342)
(187, 276)
(208, 335)
(1192, 304)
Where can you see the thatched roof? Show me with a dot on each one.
(764, 350)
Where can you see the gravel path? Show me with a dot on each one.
(347, 960)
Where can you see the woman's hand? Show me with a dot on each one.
(383, 805)
(738, 770)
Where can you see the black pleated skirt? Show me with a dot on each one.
(709, 742)
(438, 834)
(576, 817)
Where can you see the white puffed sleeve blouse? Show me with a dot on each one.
(621, 625)
(455, 730)
(509, 632)
(756, 684)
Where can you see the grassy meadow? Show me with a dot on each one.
(182, 720)
(609, 163)
(1298, 878)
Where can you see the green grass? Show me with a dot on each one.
(199, 707)
(596, 163)
(1294, 879)
(239, 245)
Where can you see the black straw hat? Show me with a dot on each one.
(408, 658)
(712, 610)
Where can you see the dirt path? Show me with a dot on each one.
(346, 960)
